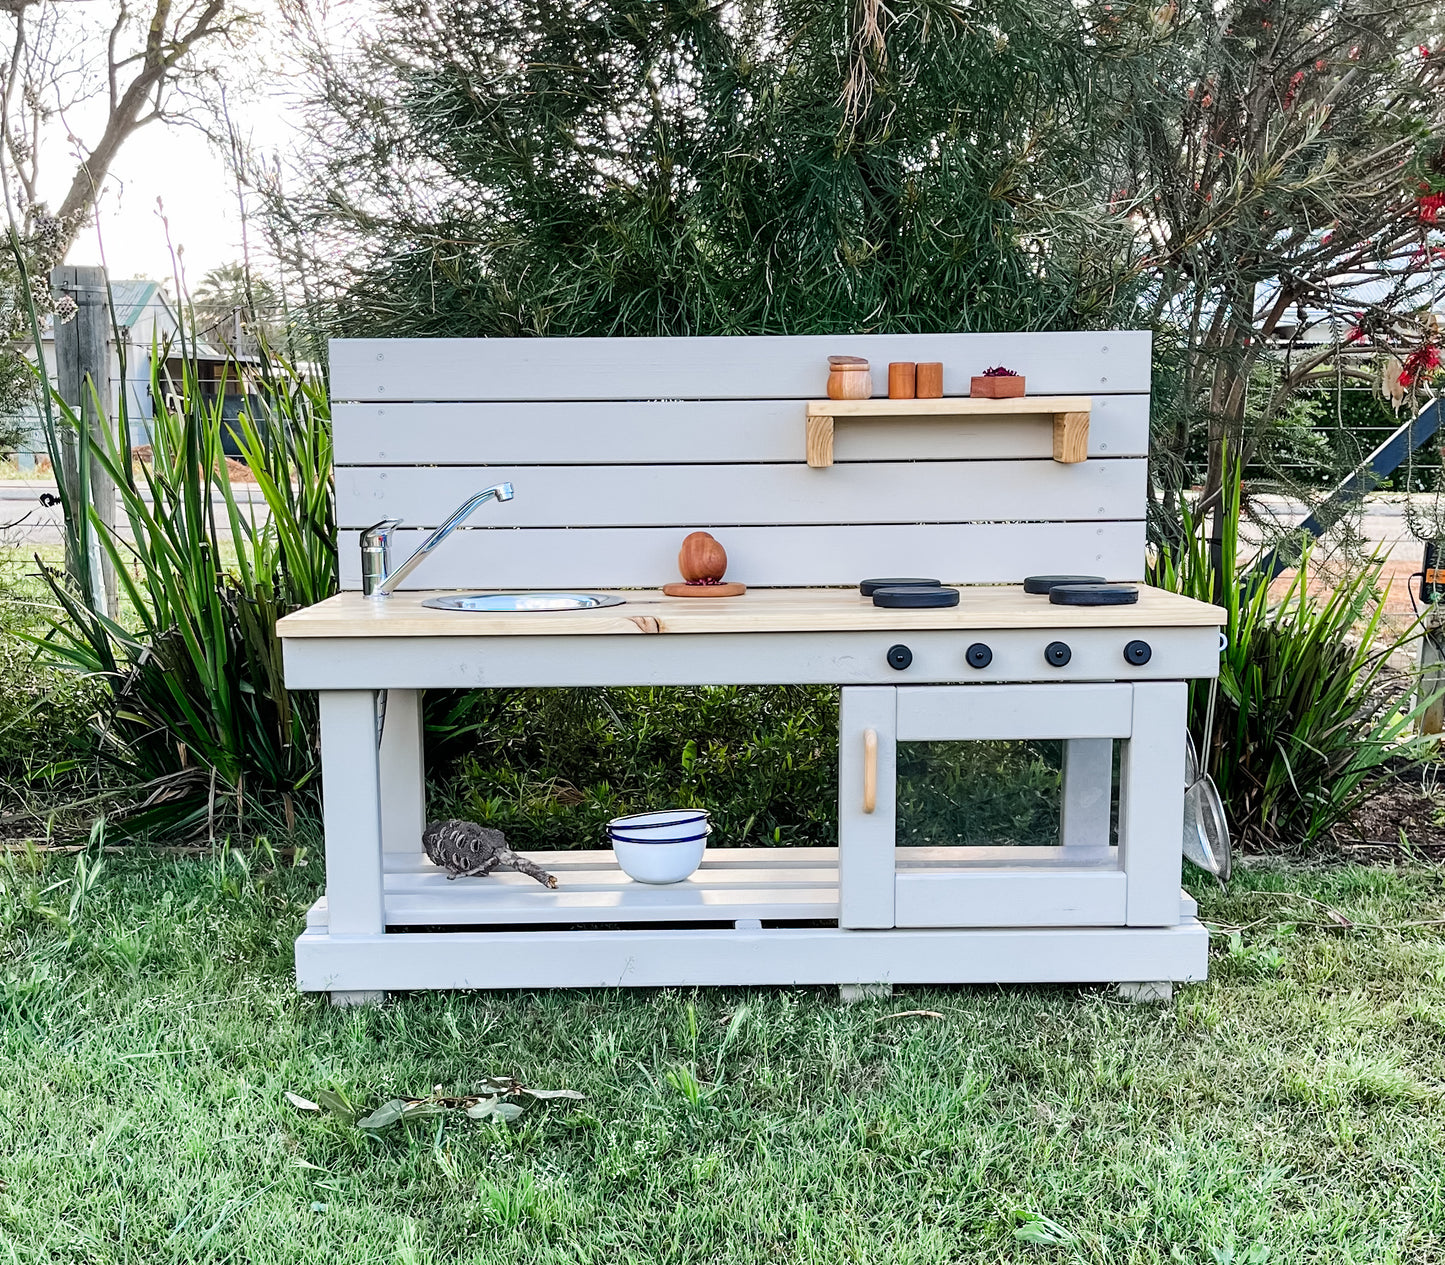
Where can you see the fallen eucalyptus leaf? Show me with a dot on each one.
(301, 1104)
(337, 1104)
(495, 1109)
(388, 1114)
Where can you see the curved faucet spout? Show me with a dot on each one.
(501, 492)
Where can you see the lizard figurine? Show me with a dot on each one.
(467, 850)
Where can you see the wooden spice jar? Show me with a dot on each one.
(849, 378)
(902, 380)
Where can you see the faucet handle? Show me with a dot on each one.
(380, 533)
(376, 554)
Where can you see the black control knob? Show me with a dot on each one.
(899, 657)
(1138, 653)
(1057, 653)
(978, 655)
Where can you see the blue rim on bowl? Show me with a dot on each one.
(654, 841)
(664, 817)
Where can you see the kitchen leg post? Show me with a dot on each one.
(1151, 804)
(403, 779)
(1088, 798)
(351, 813)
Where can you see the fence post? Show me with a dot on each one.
(82, 363)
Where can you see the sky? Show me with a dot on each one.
(178, 164)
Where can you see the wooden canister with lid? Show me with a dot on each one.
(849, 378)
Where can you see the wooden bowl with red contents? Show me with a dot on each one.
(703, 563)
(996, 384)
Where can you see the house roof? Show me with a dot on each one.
(132, 297)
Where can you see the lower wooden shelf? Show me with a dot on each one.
(732, 885)
(598, 929)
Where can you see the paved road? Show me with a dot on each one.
(26, 523)
(1386, 524)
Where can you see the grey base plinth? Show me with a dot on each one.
(850, 993)
(1146, 991)
(357, 996)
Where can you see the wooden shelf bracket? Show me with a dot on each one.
(1070, 414)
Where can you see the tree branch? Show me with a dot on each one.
(162, 55)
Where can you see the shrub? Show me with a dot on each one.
(551, 766)
(193, 669)
(1308, 722)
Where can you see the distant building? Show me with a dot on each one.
(149, 326)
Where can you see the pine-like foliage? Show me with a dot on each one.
(628, 167)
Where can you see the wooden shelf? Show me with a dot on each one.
(732, 885)
(1070, 414)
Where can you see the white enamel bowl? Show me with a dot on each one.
(664, 861)
(675, 824)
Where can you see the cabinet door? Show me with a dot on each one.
(1020, 830)
(867, 805)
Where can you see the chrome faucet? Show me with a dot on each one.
(378, 580)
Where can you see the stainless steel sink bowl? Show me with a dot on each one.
(492, 603)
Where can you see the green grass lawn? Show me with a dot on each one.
(1288, 1110)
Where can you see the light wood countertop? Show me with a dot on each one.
(757, 611)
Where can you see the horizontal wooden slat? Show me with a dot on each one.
(979, 713)
(971, 886)
(1026, 898)
(981, 553)
(604, 894)
(813, 955)
(718, 859)
(719, 368)
(697, 431)
(363, 656)
(907, 859)
(716, 497)
(732, 883)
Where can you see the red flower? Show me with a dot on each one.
(1423, 51)
(1419, 363)
(1321, 64)
(1355, 335)
(1428, 207)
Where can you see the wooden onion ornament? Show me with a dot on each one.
(703, 562)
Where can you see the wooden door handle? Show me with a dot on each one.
(870, 770)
